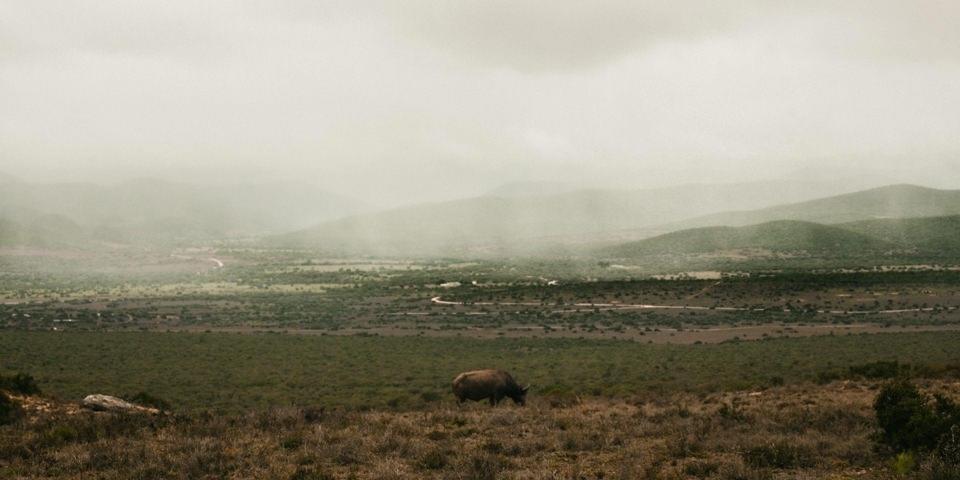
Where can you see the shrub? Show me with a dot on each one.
(148, 400)
(731, 411)
(778, 455)
(827, 376)
(701, 468)
(909, 420)
(430, 397)
(434, 459)
(880, 370)
(19, 383)
(903, 463)
(940, 471)
(292, 442)
(485, 467)
(306, 473)
(948, 449)
(59, 434)
(313, 414)
(9, 410)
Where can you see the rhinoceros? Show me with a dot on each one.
(488, 384)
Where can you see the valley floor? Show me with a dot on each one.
(658, 335)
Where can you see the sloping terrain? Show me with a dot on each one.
(931, 235)
(41, 231)
(778, 236)
(894, 201)
(153, 211)
(519, 224)
(797, 432)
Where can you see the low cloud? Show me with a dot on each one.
(432, 99)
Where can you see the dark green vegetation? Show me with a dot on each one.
(279, 290)
(919, 425)
(237, 371)
(911, 420)
(894, 201)
(779, 236)
(931, 237)
(19, 383)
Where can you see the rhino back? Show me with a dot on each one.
(481, 383)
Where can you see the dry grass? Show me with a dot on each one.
(790, 432)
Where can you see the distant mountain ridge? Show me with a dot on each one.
(893, 201)
(156, 211)
(777, 237)
(532, 189)
(927, 236)
(522, 224)
(42, 231)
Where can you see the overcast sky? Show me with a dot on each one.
(412, 100)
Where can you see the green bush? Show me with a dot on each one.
(880, 370)
(148, 400)
(903, 463)
(911, 420)
(9, 410)
(19, 383)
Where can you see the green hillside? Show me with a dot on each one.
(894, 201)
(783, 236)
(929, 235)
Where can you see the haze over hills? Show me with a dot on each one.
(522, 224)
(514, 219)
(42, 231)
(532, 189)
(154, 211)
(776, 237)
(926, 236)
(893, 201)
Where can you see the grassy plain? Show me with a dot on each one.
(196, 371)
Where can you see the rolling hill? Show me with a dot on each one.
(150, 211)
(42, 231)
(924, 237)
(929, 235)
(894, 201)
(518, 224)
(783, 236)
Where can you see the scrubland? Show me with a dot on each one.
(801, 431)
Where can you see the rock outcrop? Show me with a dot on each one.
(106, 403)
